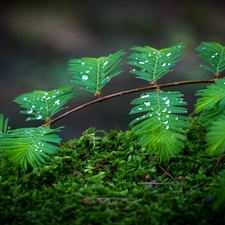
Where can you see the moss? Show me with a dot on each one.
(103, 179)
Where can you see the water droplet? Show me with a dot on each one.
(40, 150)
(29, 111)
(57, 102)
(213, 56)
(82, 63)
(164, 98)
(164, 110)
(204, 48)
(25, 99)
(168, 54)
(105, 63)
(87, 71)
(28, 118)
(141, 62)
(164, 64)
(150, 114)
(84, 77)
(139, 108)
(167, 102)
(33, 106)
(38, 117)
(166, 122)
(133, 69)
(144, 95)
(167, 116)
(167, 127)
(170, 111)
(176, 118)
(147, 103)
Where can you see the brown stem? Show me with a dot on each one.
(101, 99)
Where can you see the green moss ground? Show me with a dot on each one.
(101, 179)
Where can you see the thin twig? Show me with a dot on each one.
(166, 173)
(218, 161)
(101, 99)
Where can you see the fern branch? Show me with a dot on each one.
(212, 96)
(153, 63)
(92, 74)
(29, 146)
(161, 129)
(214, 54)
(42, 105)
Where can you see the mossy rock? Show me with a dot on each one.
(109, 179)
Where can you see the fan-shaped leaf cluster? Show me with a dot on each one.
(152, 63)
(92, 74)
(211, 105)
(29, 146)
(42, 105)
(214, 54)
(161, 128)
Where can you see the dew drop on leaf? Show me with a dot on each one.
(29, 111)
(168, 54)
(147, 103)
(84, 77)
(164, 64)
(38, 117)
(144, 95)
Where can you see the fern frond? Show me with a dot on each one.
(161, 129)
(215, 137)
(214, 54)
(211, 97)
(92, 74)
(153, 63)
(42, 105)
(29, 146)
(3, 125)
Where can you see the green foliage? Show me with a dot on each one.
(220, 193)
(154, 63)
(214, 54)
(29, 146)
(106, 184)
(161, 129)
(3, 125)
(42, 105)
(92, 74)
(115, 166)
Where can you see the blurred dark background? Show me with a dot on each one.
(38, 39)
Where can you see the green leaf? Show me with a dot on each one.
(215, 137)
(3, 125)
(214, 54)
(29, 146)
(161, 129)
(92, 74)
(42, 105)
(212, 97)
(153, 63)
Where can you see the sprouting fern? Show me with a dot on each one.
(42, 105)
(29, 146)
(161, 128)
(214, 54)
(154, 63)
(92, 74)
